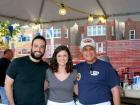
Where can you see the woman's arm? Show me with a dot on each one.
(76, 89)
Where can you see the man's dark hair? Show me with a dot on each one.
(7, 50)
(39, 37)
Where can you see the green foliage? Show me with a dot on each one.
(4, 30)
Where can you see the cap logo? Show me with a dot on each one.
(87, 41)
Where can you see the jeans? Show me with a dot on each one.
(3, 96)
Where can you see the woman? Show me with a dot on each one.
(61, 78)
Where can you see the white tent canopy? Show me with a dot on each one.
(46, 11)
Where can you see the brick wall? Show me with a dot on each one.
(124, 53)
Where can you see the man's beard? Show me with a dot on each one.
(37, 55)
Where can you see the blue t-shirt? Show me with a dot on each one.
(95, 81)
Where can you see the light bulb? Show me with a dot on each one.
(102, 19)
(90, 18)
(62, 10)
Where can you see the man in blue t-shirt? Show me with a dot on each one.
(96, 78)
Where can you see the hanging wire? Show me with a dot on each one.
(77, 10)
(68, 7)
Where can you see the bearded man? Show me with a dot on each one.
(25, 76)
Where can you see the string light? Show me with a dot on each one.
(102, 19)
(90, 18)
(62, 10)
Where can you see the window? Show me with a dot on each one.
(23, 38)
(99, 30)
(66, 33)
(52, 33)
(96, 30)
(48, 33)
(57, 33)
(131, 34)
(101, 47)
(90, 30)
